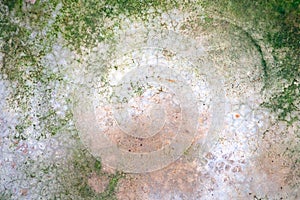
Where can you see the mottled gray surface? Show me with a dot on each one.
(207, 72)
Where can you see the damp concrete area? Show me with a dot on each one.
(150, 100)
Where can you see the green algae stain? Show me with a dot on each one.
(24, 45)
(75, 178)
(278, 22)
(286, 103)
(84, 23)
(110, 191)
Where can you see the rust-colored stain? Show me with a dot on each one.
(237, 115)
(171, 80)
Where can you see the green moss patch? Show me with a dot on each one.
(75, 177)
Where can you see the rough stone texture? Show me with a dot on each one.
(239, 149)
